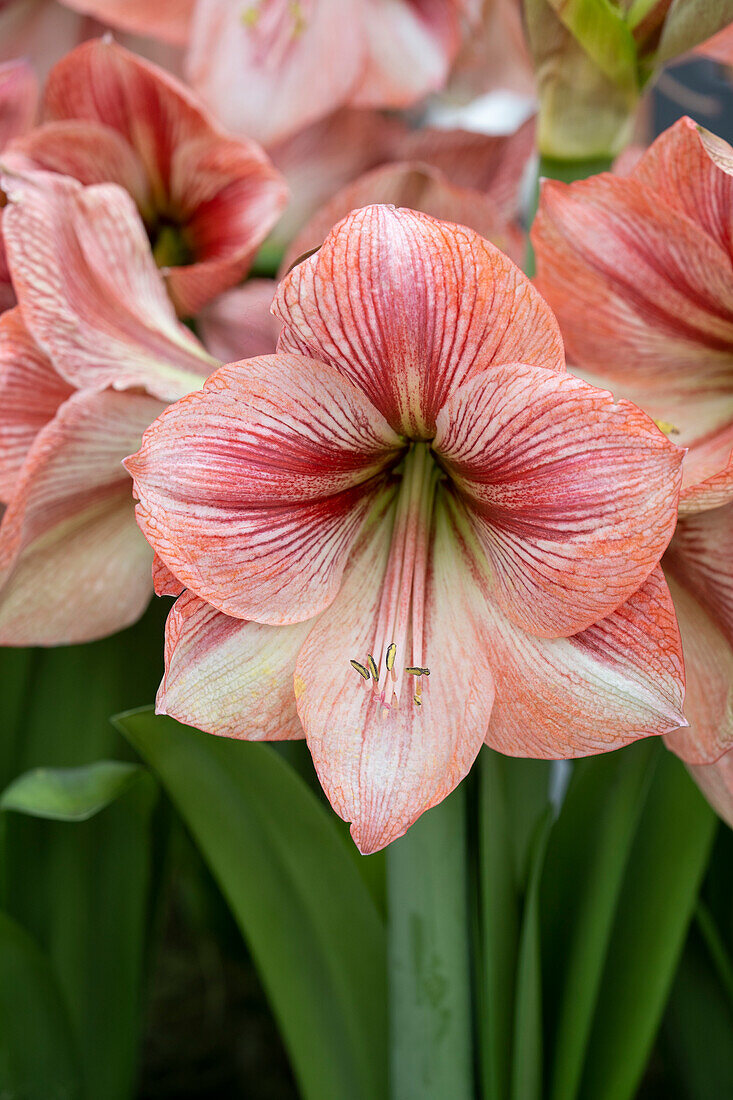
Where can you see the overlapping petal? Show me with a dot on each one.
(239, 325)
(30, 394)
(253, 490)
(699, 557)
(619, 680)
(408, 308)
(230, 677)
(91, 294)
(73, 565)
(381, 772)
(572, 496)
(164, 582)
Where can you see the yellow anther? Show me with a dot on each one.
(391, 655)
(667, 428)
(418, 700)
(360, 669)
(414, 671)
(372, 666)
(250, 16)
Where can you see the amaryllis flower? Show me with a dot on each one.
(640, 273)
(207, 199)
(18, 99)
(410, 531)
(88, 359)
(269, 67)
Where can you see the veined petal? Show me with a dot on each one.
(409, 48)
(30, 393)
(659, 289)
(230, 677)
(238, 324)
(408, 308)
(699, 558)
(164, 582)
(691, 170)
(707, 472)
(619, 680)
(573, 497)
(253, 490)
(72, 565)
(709, 674)
(267, 69)
(91, 294)
(418, 187)
(166, 19)
(381, 772)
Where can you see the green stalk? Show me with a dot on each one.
(431, 1055)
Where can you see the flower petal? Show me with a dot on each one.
(238, 324)
(223, 195)
(253, 490)
(230, 677)
(699, 557)
(573, 497)
(166, 19)
(30, 393)
(709, 674)
(72, 565)
(18, 99)
(409, 307)
(91, 294)
(418, 187)
(164, 582)
(378, 772)
(659, 289)
(409, 49)
(716, 783)
(691, 170)
(269, 68)
(617, 681)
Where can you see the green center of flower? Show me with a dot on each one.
(397, 651)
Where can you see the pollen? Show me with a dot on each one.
(667, 428)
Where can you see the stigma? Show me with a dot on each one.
(396, 657)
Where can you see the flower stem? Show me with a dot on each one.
(430, 1030)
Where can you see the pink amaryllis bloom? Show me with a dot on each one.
(267, 68)
(207, 200)
(18, 100)
(640, 273)
(88, 359)
(410, 531)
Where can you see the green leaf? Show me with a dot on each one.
(38, 1060)
(310, 922)
(429, 969)
(660, 889)
(587, 855)
(70, 794)
(599, 27)
(527, 1052)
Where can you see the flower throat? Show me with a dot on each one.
(397, 652)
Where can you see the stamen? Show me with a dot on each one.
(417, 671)
(372, 665)
(360, 669)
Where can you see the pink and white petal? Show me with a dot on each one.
(91, 294)
(419, 187)
(168, 20)
(700, 557)
(30, 394)
(491, 163)
(268, 69)
(691, 170)
(658, 289)
(707, 472)
(381, 773)
(72, 565)
(716, 783)
(409, 308)
(709, 674)
(409, 49)
(87, 151)
(573, 497)
(619, 680)
(18, 99)
(253, 490)
(230, 677)
(164, 582)
(238, 324)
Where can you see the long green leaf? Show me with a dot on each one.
(661, 884)
(38, 1060)
(309, 920)
(429, 969)
(527, 1051)
(586, 859)
(70, 794)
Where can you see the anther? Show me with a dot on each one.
(372, 666)
(360, 669)
(391, 655)
(416, 671)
